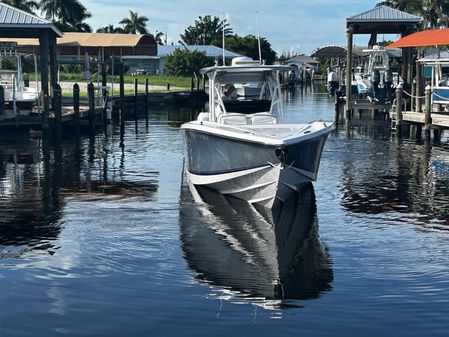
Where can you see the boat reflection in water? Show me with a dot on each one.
(268, 257)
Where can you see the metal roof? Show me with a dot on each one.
(11, 17)
(424, 38)
(384, 14)
(211, 51)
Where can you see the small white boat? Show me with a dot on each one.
(240, 147)
(378, 82)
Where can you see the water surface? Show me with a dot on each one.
(99, 239)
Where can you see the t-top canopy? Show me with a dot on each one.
(425, 38)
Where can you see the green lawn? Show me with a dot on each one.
(181, 82)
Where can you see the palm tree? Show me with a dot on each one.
(68, 14)
(409, 6)
(159, 38)
(110, 29)
(434, 12)
(135, 23)
(24, 5)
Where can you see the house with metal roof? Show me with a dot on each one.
(211, 51)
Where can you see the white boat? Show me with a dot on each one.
(240, 147)
(378, 81)
(438, 66)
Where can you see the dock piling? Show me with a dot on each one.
(76, 106)
(399, 109)
(91, 98)
(428, 111)
(122, 104)
(2, 100)
(57, 107)
(136, 92)
(146, 101)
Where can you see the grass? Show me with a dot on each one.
(83, 94)
(180, 82)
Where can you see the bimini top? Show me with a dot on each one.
(425, 38)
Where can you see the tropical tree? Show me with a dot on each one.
(206, 30)
(434, 12)
(110, 29)
(68, 15)
(159, 38)
(249, 46)
(183, 62)
(409, 6)
(135, 24)
(24, 5)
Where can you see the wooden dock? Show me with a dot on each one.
(439, 120)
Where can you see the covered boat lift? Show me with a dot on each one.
(16, 24)
(379, 20)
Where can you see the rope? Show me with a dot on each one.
(405, 92)
(444, 98)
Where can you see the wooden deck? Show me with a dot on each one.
(34, 119)
(439, 120)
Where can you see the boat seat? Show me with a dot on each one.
(233, 119)
(263, 118)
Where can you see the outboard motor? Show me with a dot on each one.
(375, 81)
(388, 84)
(332, 82)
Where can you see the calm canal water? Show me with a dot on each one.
(103, 240)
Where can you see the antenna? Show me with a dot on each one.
(223, 29)
(258, 38)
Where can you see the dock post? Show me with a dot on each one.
(136, 92)
(418, 106)
(122, 105)
(348, 80)
(399, 110)
(146, 102)
(197, 96)
(414, 97)
(428, 112)
(91, 96)
(192, 84)
(76, 106)
(2, 100)
(168, 86)
(57, 107)
(337, 111)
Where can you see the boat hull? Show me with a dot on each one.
(253, 171)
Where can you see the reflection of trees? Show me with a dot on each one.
(35, 178)
(273, 254)
(403, 179)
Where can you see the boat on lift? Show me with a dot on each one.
(378, 81)
(240, 147)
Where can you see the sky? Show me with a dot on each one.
(297, 26)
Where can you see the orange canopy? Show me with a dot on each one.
(425, 38)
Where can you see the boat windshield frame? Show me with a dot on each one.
(267, 76)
